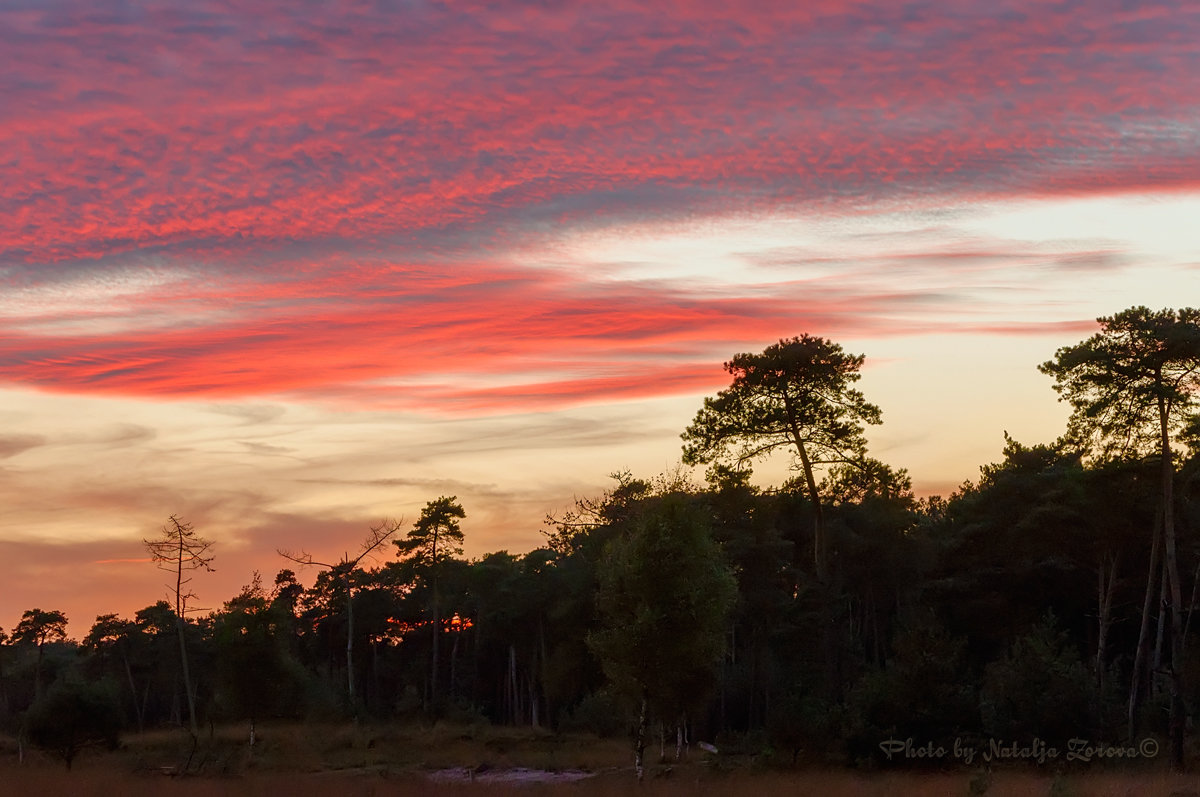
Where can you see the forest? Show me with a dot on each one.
(834, 618)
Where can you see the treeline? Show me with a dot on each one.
(1050, 599)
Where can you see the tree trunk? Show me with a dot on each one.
(810, 480)
(541, 672)
(437, 630)
(1160, 633)
(534, 718)
(1177, 718)
(137, 709)
(37, 675)
(1104, 597)
(514, 709)
(454, 662)
(350, 640)
(639, 744)
(1187, 623)
(187, 677)
(1140, 655)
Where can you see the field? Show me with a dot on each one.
(304, 760)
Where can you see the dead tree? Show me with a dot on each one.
(179, 550)
(377, 536)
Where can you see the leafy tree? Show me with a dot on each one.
(38, 628)
(435, 538)
(872, 512)
(73, 715)
(251, 665)
(112, 636)
(795, 395)
(760, 557)
(665, 598)
(1009, 547)
(1040, 688)
(1133, 387)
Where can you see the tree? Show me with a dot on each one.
(797, 394)
(1133, 386)
(37, 628)
(345, 568)
(111, 633)
(251, 666)
(665, 597)
(437, 525)
(179, 550)
(73, 715)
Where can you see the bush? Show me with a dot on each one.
(1040, 688)
(599, 713)
(924, 693)
(72, 715)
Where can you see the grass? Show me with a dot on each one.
(378, 761)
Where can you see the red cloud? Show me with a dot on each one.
(210, 126)
(276, 156)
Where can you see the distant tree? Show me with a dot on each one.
(795, 395)
(1133, 387)
(665, 598)
(111, 635)
(345, 568)
(251, 667)
(4, 708)
(434, 538)
(38, 628)
(178, 550)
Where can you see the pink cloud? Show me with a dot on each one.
(213, 125)
(338, 187)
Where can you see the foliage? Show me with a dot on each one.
(1041, 688)
(436, 536)
(38, 627)
(74, 714)
(924, 692)
(664, 600)
(795, 393)
(1118, 380)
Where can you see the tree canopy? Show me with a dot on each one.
(1133, 381)
(796, 394)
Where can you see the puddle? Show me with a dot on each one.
(515, 775)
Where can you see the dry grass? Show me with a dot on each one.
(334, 760)
(97, 781)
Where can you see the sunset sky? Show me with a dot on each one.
(285, 269)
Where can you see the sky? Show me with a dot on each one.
(286, 269)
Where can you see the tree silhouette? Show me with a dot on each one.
(180, 550)
(434, 538)
(345, 568)
(1133, 386)
(37, 628)
(796, 394)
(665, 596)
